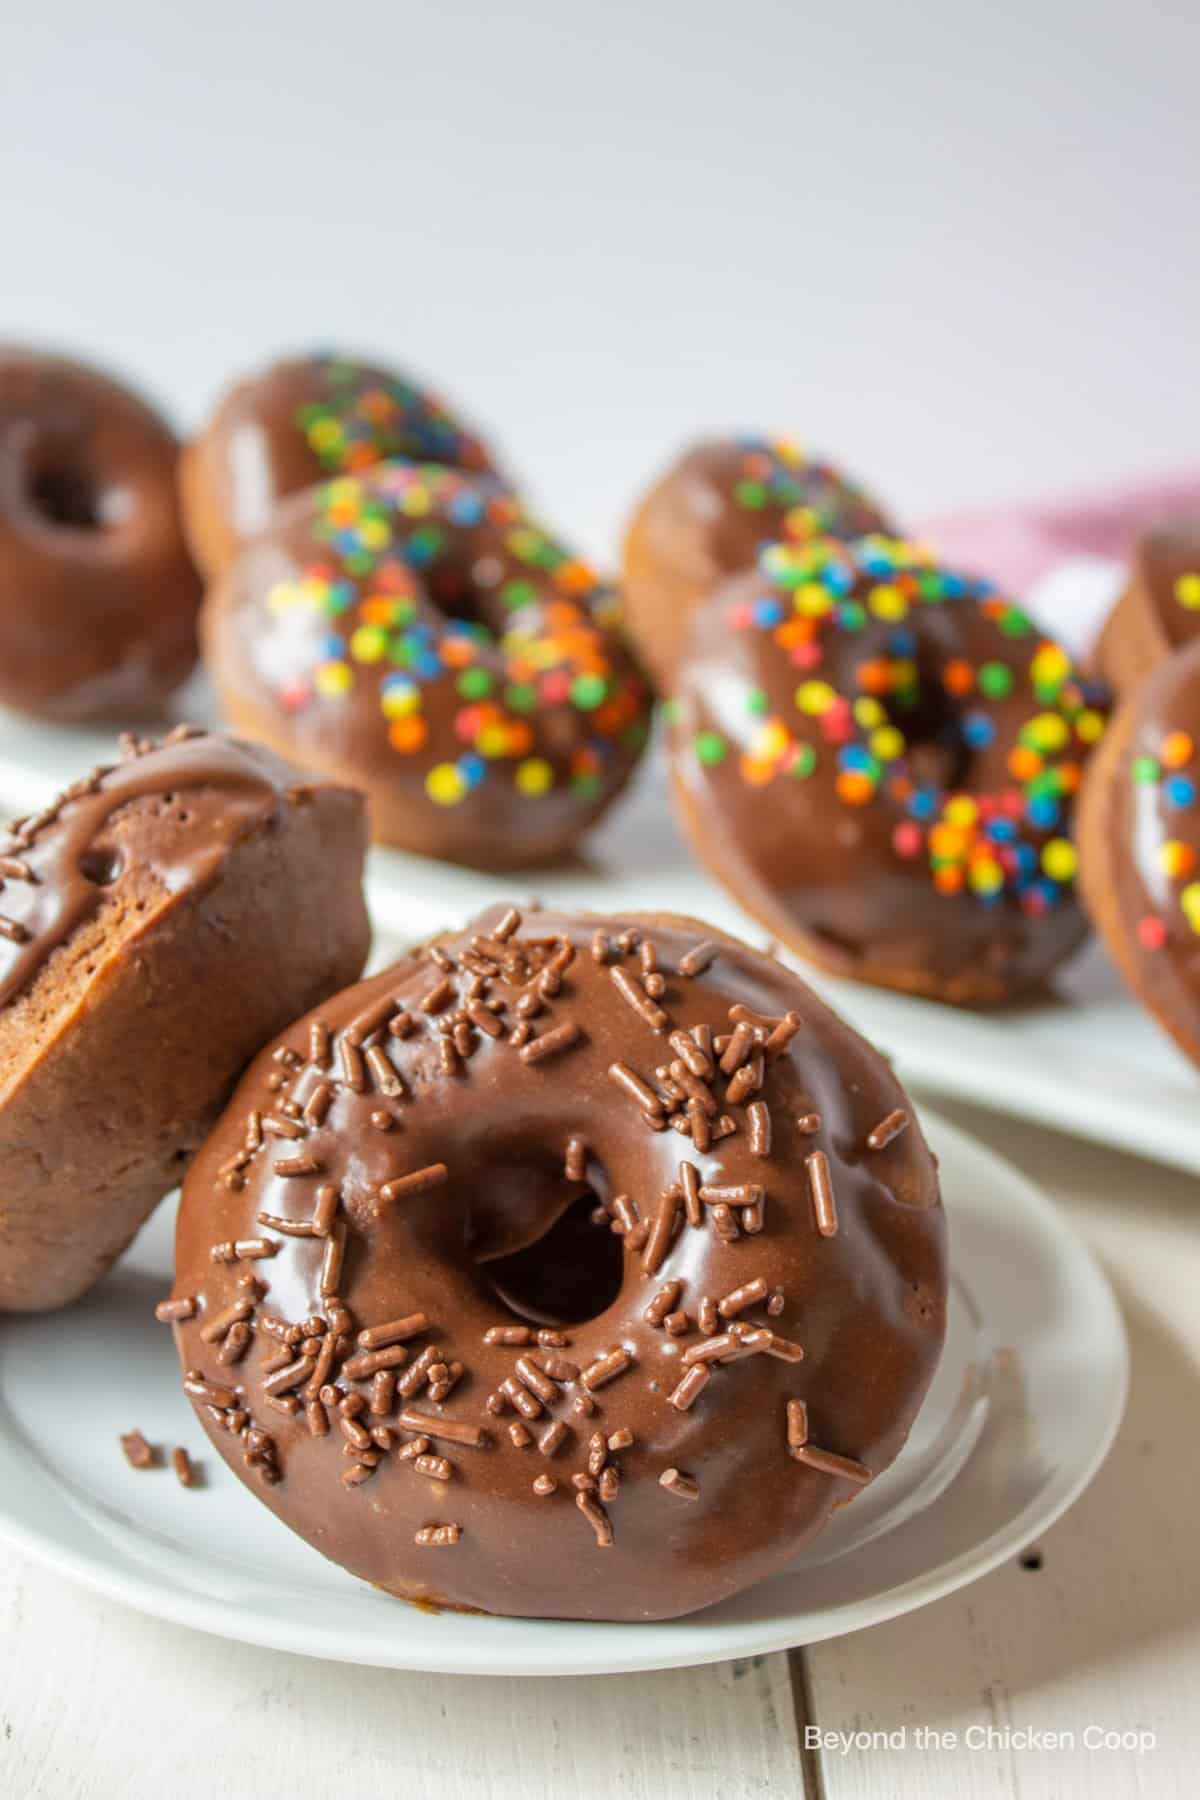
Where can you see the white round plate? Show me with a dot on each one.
(1087, 1059)
(1024, 1406)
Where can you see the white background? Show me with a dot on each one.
(954, 244)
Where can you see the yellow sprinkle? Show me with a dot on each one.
(1049, 731)
(368, 644)
(1176, 858)
(1187, 591)
(399, 702)
(534, 775)
(812, 601)
(887, 602)
(815, 697)
(961, 810)
(887, 743)
(868, 713)
(1189, 899)
(445, 785)
(333, 679)
(1059, 859)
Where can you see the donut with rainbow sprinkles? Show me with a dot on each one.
(880, 757)
(415, 630)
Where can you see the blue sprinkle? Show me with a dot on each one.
(766, 613)
(978, 730)
(1043, 811)
(472, 768)
(1001, 831)
(1181, 790)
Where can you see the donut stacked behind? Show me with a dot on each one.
(1139, 844)
(98, 598)
(395, 1310)
(297, 423)
(413, 631)
(1159, 612)
(879, 758)
(707, 518)
(157, 924)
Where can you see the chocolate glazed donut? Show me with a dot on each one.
(879, 758)
(580, 1268)
(414, 632)
(1159, 610)
(707, 517)
(297, 423)
(1139, 845)
(98, 598)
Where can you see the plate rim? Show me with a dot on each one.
(132, 1586)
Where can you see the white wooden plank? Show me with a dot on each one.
(1107, 1633)
(96, 1701)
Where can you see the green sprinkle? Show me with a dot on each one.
(1145, 768)
(804, 761)
(473, 684)
(588, 691)
(751, 494)
(995, 680)
(756, 701)
(709, 747)
(517, 593)
(520, 696)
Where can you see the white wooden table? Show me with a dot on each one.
(1099, 1642)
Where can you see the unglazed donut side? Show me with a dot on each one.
(135, 996)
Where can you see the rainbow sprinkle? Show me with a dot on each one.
(471, 628)
(364, 417)
(851, 624)
(799, 498)
(1168, 777)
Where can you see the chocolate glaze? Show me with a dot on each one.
(707, 517)
(68, 854)
(1151, 619)
(1133, 806)
(469, 587)
(98, 597)
(866, 1303)
(824, 875)
(255, 451)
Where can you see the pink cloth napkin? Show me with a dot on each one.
(1017, 545)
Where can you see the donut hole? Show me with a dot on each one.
(938, 755)
(67, 498)
(572, 1273)
(101, 867)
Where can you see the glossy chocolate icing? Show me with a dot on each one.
(98, 597)
(510, 1145)
(56, 865)
(414, 632)
(298, 422)
(775, 802)
(1140, 844)
(707, 517)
